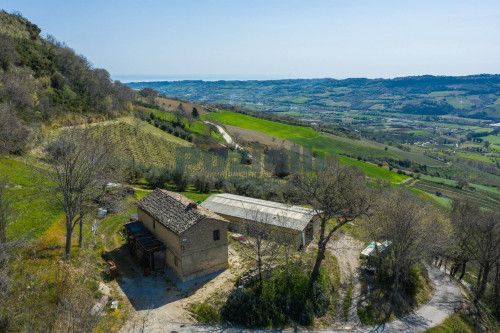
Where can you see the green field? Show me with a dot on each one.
(198, 127)
(374, 171)
(35, 210)
(309, 138)
(442, 93)
(476, 157)
(420, 132)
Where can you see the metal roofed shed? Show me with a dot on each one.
(369, 251)
(240, 210)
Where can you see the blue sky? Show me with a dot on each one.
(276, 38)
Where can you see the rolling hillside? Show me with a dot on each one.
(309, 138)
(474, 96)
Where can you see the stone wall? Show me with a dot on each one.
(196, 251)
(201, 253)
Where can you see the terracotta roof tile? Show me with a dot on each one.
(174, 211)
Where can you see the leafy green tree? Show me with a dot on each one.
(195, 113)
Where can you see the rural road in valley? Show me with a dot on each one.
(226, 136)
(230, 141)
(446, 300)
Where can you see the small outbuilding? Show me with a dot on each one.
(241, 211)
(195, 238)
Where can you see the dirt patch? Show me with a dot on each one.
(347, 250)
(156, 300)
(256, 136)
(170, 105)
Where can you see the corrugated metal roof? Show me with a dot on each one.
(257, 210)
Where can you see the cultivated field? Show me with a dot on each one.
(309, 138)
(483, 198)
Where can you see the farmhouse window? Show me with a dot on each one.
(216, 235)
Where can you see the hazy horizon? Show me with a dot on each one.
(125, 78)
(276, 39)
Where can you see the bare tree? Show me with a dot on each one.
(13, 135)
(190, 120)
(462, 215)
(79, 163)
(409, 226)
(260, 248)
(484, 246)
(338, 195)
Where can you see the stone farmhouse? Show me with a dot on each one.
(194, 237)
(241, 211)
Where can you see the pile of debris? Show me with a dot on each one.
(112, 197)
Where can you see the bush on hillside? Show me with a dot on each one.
(180, 179)
(203, 183)
(284, 298)
(157, 177)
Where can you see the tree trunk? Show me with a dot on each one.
(80, 236)
(484, 281)
(454, 268)
(396, 287)
(497, 282)
(464, 264)
(317, 264)
(69, 231)
(479, 277)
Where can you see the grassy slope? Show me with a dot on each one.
(459, 322)
(151, 146)
(309, 138)
(35, 210)
(198, 127)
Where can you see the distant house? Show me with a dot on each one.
(240, 210)
(195, 238)
(219, 146)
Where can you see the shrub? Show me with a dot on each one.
(413, 283)
(243, 308)
(203, 184)
(205, 313)
(157, 177)
(180, 179)
(320, 301)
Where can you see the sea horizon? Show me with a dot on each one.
(127, 78)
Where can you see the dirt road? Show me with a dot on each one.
(446, 300)
(347, 249)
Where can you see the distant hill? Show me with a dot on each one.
(475, 96)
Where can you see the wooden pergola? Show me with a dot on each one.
(141, 239)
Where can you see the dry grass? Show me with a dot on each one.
(249, 135)
(168, 104)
